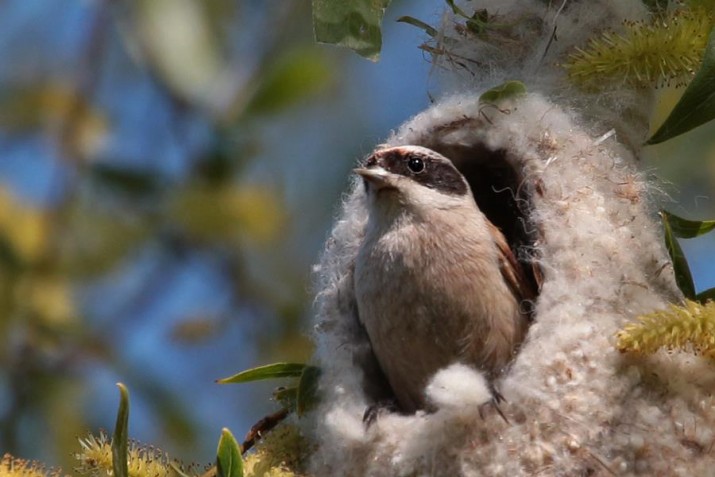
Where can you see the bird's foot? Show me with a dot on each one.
(494, 402)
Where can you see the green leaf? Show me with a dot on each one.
(354, 24)
(697, 105)
(510, 89)
(431, 31)
(307, 389)
(680, 265)
(706, 295)
(228, 456)
(293, 76)
(120, 439)
(268, 371)
(685, 228)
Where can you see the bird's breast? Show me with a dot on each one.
(427, 297)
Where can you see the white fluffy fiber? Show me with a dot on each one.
(575, 405)
(458, 387)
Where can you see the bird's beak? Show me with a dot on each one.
(375, 175)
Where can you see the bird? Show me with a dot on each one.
(435, 281)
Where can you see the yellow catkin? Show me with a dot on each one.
(282, 453)
(13, 467)
(687, 327)
(667, 48)
(95, 459)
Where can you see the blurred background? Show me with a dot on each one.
(169, 170)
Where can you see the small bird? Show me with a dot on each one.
(435, 281)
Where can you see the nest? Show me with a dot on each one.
(577, 208)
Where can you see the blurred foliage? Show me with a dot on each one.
(104, 200)
(177, 38)
(252, 213)
(51, 107)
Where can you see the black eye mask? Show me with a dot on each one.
(434, 172)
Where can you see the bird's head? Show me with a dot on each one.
(413, 176)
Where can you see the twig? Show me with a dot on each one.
(261, 427)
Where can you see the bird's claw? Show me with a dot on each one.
(494, 402)
(374, 411)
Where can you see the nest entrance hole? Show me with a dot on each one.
(498, 188)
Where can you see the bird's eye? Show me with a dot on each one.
(415, 164)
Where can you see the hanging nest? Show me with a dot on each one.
(576, 206)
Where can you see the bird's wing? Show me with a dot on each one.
(511, 269)
(375, 384)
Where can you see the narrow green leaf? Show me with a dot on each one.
(268, 371)
(228, 456)
(354, 24)
(431, 31)
(476, 23)
(697, 105)
(307, 389)
(685, 228)
(456, 10)
(120, 439)
(510, 89)
(706, 295)
(680, 265)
